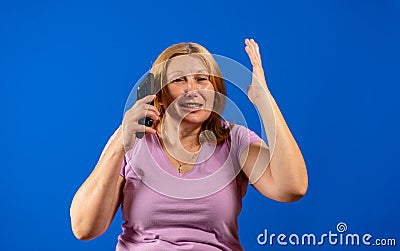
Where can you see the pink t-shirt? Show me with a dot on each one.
(165, 210)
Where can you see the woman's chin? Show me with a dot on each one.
(195, 118)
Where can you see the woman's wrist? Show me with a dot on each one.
(117, 145)
(263, 98)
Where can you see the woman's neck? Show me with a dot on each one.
(177, 135)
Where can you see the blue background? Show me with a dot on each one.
(67, 67)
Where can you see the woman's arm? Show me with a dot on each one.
(284, 178)
(97, 200)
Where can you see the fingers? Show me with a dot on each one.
(130, 122)
(146, 99)
(143, 128)
(151, 114)
(141, 107)
(151, 109)
(144, 110)
(253, 51)
(150, 130)
(143, 103)
(251, 55)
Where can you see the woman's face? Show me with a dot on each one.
(189, 94)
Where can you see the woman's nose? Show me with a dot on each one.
(191, 84)
(191, 94)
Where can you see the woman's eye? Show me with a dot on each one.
(202, 78)
(177, 80)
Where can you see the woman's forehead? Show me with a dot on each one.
(185, 65)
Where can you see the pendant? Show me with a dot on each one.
(180, 168)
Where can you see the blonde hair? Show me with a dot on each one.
(214, 123)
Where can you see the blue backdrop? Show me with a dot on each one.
(67, 67)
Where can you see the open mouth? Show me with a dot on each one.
(191, 106)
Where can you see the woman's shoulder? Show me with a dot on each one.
(236, 129)
(241, 135)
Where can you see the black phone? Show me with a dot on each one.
(146, 87)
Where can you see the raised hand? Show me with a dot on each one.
(258, 83)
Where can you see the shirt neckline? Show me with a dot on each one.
(171, 169)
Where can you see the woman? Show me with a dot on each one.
(186, 126)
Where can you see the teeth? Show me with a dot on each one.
(191, 105)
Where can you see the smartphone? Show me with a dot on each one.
(146, 87)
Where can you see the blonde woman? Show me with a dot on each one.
(187, 125)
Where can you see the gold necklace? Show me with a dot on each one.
(181, 164)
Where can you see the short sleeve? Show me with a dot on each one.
(242, 137)
(122, 171)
